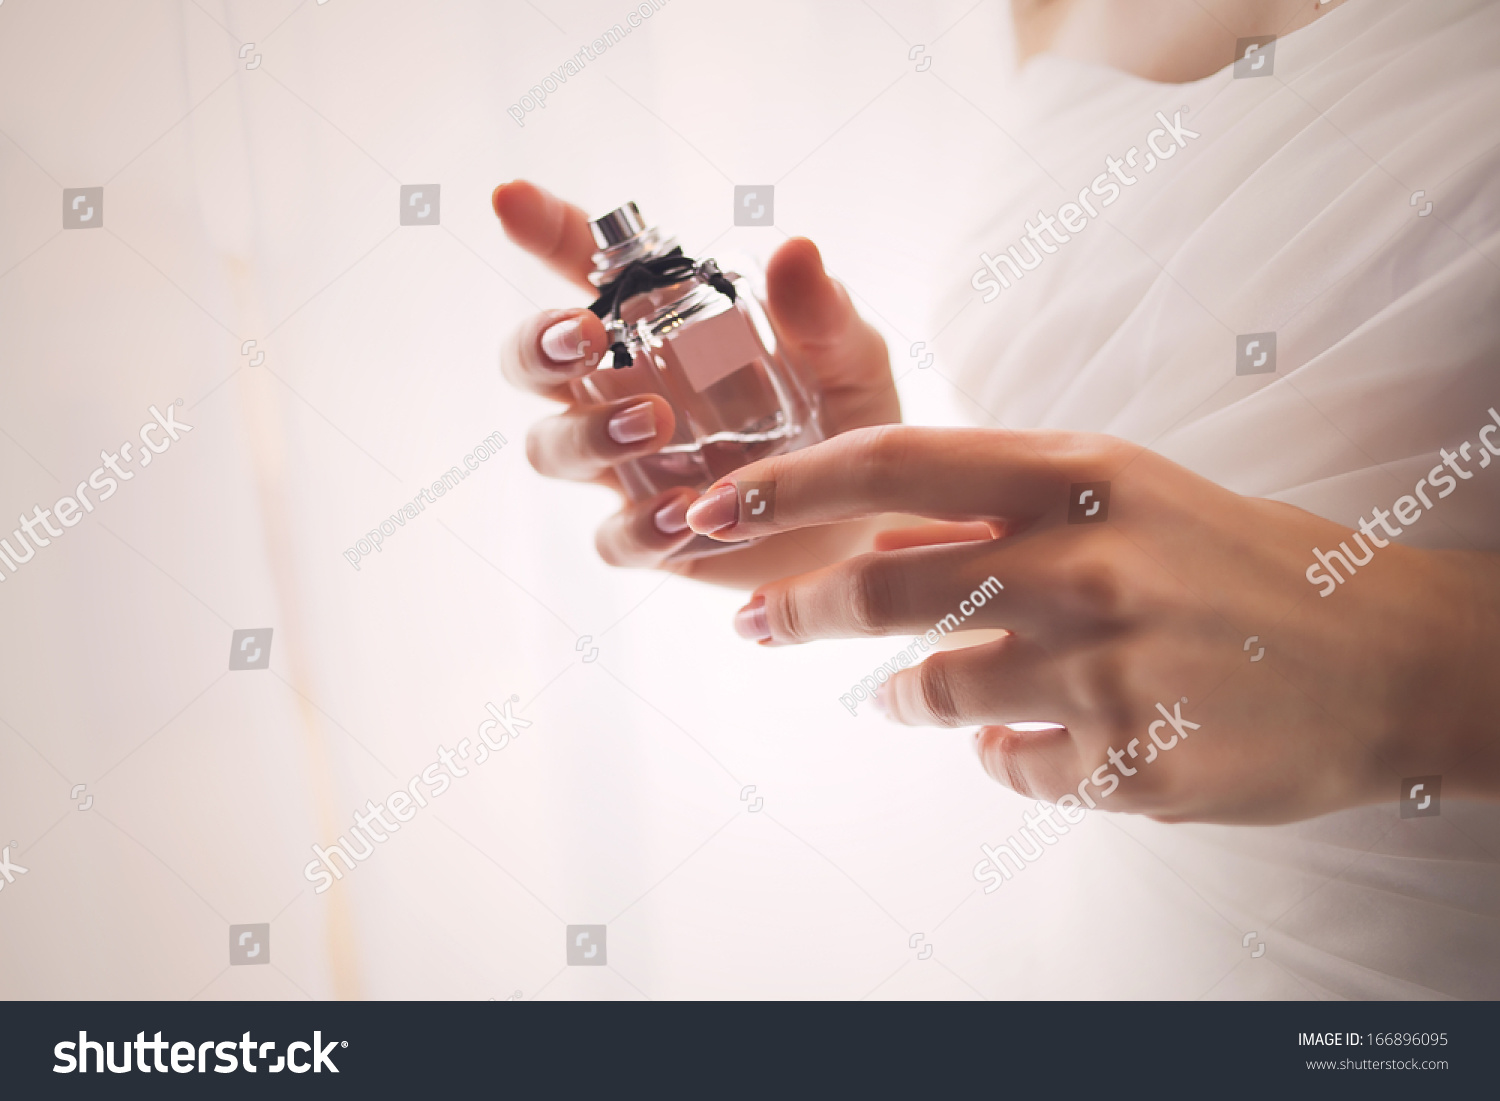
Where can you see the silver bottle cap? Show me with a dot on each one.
(617, 226)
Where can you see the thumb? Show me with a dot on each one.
(820, 331)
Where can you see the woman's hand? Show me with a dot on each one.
(1131, 627)
(816, 327)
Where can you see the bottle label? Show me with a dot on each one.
(715, 347)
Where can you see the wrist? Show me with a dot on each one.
(1445, 724)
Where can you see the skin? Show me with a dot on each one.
(1389, 677)
(1171, 41)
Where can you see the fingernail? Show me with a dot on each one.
(634, 424)
(715, 511)
(671, 519)
(881, 699)
(563, 342)
(751, 622)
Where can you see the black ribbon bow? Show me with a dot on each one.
(640, 276)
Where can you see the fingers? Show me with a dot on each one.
(553, 348)
(584, 442)
(1041, 764)
(559, 346)
(553, 231)
(923, 589)
(818, 328)
(943, 473)
(1009, 680)
(644, 533)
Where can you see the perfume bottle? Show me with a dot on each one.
(697, 336)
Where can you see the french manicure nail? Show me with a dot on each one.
(715, 511)
(563, 342)
(671, 519)
(881, 699)
(634, 424)
(751, 621)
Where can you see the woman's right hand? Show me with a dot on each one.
(817, 329)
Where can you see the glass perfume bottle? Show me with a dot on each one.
(697, 336)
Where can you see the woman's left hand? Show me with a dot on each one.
(1166, 623)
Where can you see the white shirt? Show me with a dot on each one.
(1299, 209)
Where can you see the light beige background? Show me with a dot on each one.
(262, 204)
